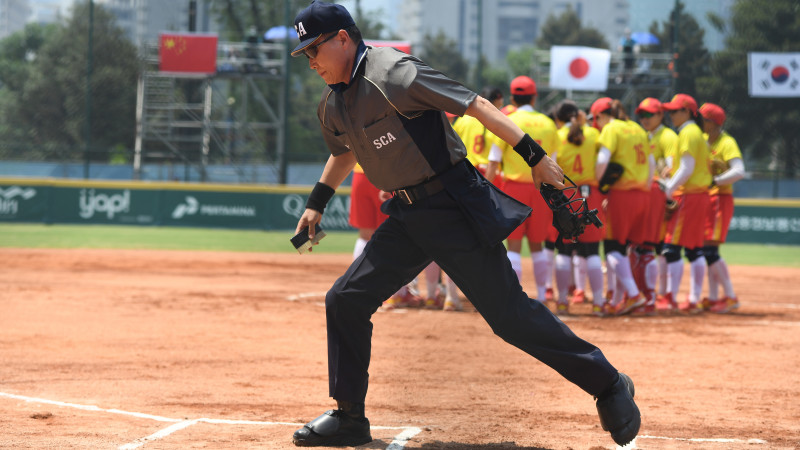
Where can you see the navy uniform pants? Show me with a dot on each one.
(434, 229)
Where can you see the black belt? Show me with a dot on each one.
(411, 194)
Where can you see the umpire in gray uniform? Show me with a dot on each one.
(385, 110)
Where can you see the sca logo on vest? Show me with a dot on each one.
(386, 139)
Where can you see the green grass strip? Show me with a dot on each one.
(211, 239)
(163, 238)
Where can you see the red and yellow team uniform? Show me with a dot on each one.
(518, 181)
(628, 197)
(578, 163)
(687, 225)
(478, 141)
(365, 203)
(663, 143)
(720, 209)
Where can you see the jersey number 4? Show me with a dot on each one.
(577, 166)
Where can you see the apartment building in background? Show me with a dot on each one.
(144, 20)
(495, 27)
(14, 15)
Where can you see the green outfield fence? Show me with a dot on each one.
(59, 201)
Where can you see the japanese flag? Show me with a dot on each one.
(774, 74)
(579, 68)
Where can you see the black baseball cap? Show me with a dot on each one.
(318, 19)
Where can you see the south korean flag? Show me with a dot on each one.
(774, 74)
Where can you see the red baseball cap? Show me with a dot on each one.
(713, 112)
(523, 85)
(680, 101)
(599, 105)
(650, 104)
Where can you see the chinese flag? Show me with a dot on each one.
(188, 53)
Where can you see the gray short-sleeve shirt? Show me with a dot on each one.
(391, 116)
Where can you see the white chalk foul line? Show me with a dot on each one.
(158, 435)
(88, 407)
(402, 439)
(398, 443)
(779, 305)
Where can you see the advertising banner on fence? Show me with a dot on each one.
(103, 206)
(765, 224)
(213, 209)
(168, 204)
(101, 203)
(23, 203)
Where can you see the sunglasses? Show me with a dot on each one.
(646, 115)
(311, 52)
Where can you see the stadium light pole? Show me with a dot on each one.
(88, 124)
(675, 56)
(479, 69)
(284, 151)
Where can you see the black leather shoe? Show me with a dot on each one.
(332, 429)
(618, 412)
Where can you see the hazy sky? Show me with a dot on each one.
(371, 5)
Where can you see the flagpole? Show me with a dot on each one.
(88, 124)
(283, 150)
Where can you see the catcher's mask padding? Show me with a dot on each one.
(570, 214)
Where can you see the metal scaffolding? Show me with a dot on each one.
(650, 76)
(235, 116)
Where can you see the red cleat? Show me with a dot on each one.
(724, 306)
(665, 303)
(579, 296)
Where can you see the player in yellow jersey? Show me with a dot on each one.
(728, 168)
(649, 267)
(519, 184)
(652, 269)
(641, 254)
(577, 156)
(477, 139)
(688, 186)
(625, 143)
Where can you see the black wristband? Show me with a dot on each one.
(319, 197)
(530, 151)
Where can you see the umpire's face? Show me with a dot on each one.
(333, 58)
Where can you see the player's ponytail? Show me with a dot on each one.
(567, 112)
(618, 111)
(697, 117)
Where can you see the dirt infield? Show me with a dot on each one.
(174, 350)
